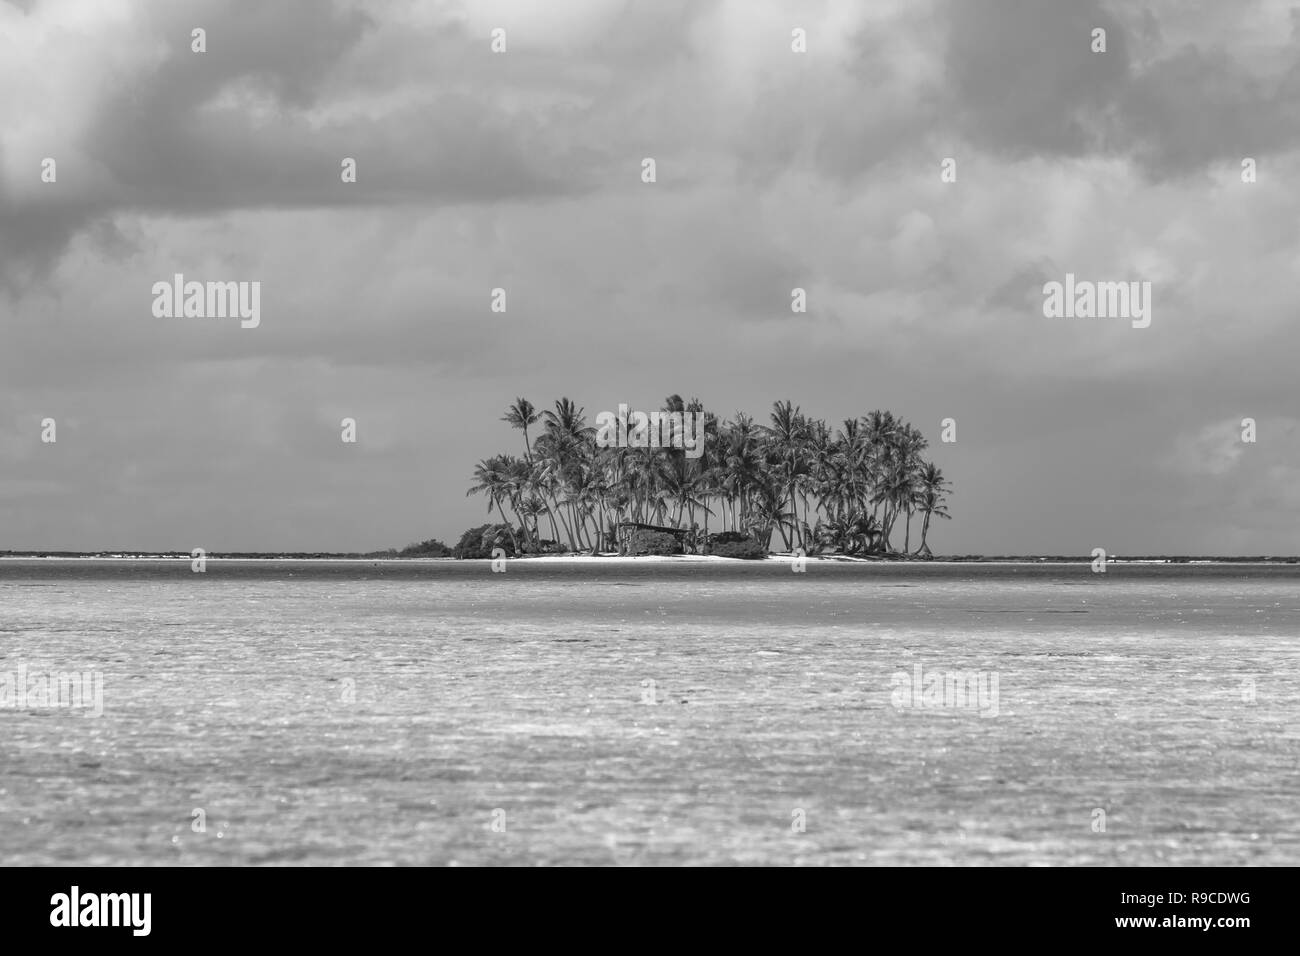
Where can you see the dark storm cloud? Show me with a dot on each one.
(1023, 81)
(233, 128)
(33, 237)
(170, 145)
(1022, 293)
(1198, 107)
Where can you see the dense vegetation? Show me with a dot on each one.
(854, 490)
(480, 542)
(433, 548)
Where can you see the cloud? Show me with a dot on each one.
(1023, 79)
(776, 170)
(244, 125)
(1199, 107)
(1215, 450)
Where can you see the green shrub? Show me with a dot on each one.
(479, 542)
(541, 546)
(734, 544)
(433, 548)
(642, 541)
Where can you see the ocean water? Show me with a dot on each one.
(437, 713)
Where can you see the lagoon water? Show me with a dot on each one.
(438, 713)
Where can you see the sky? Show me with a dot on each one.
(522, 170)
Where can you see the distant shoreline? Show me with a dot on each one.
(643, 559)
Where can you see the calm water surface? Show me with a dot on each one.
(361, 713)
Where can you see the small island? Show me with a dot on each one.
(742, 490)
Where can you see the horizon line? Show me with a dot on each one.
(394, 555)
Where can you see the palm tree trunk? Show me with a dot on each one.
(794, 517)
(925, 529)
(523, 522)
(569, 534)
(573, 526)
(509, 527)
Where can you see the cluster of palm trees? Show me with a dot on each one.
(818, 491)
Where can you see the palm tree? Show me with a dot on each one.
(787, 433)
(567, 422)
(516, 482)
(534, 507)
(852, 486)
(520, 415)
(933, 490)
(492, 481)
